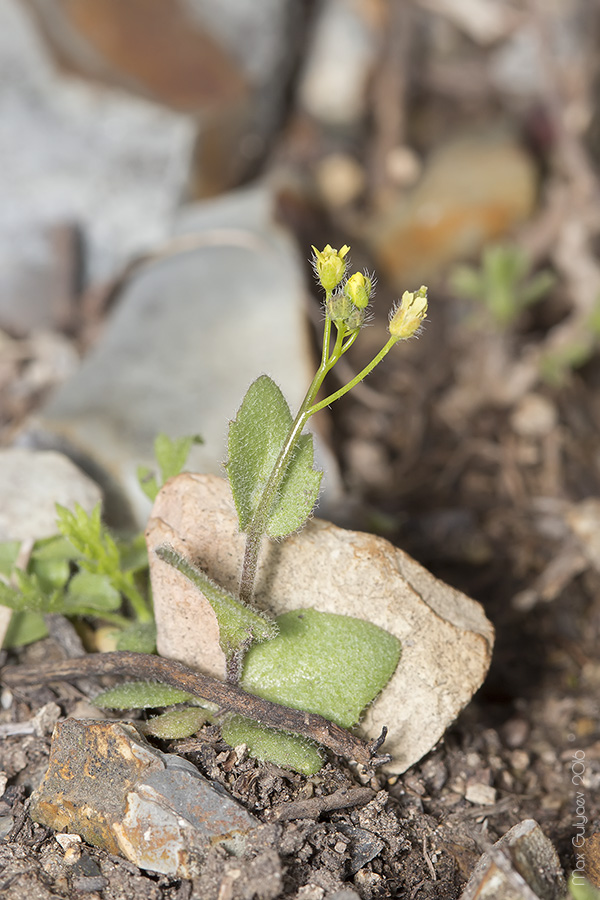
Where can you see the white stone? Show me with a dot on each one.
(446, 638)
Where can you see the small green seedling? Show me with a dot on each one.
(557, 363)
(333, 665)
(503, 283)
(85, 572)
(171, 456)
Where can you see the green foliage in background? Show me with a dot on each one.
(87, 572)
(503, 283)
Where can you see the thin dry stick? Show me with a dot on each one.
(228, 697)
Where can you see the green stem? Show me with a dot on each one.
(356, 380)
(258, 525)
(138, 604)
(119, 621)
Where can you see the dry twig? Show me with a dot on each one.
(228, 697)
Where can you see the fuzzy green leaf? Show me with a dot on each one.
(142, 695)
(177, 723)
(53, 573)
(148, 482)
(9, 550)
(288, 750)
(171, 454)
(90, 538)
(139, 637)
(324, 663)
(92, 592)
(25, 628)
(54, 548)
(239, 625)
(298, 492)
(256, 437)
(134, 554)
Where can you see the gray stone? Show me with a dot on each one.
(31, 484)
(445, 636)
(107, 784)
(339, 65)
(72, 151)
(522, 865)
(188, 336)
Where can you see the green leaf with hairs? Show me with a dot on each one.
(288, 750)
(24, 628)
(139, 637)
(176, 724)
(239, 625)
(142, 695)
(256, 437)
(324, 663)
(171, 455)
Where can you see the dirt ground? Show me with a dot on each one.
(486, 484)
(468, 511)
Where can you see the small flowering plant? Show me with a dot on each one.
(295, 659)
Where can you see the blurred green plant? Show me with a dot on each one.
(503, 283)
(557, 363)
(86, 572)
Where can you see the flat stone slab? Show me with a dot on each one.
(107, 784)
(446, 638)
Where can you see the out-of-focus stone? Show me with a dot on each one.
(522, 865)
(340, 179)
(105, 783)
(473, 189)
(226, 65)
(75, 152)
(31, 484)
(584, 520)
(535, 416)
(153, 50)
(339, 64)
(446, 638)
(189, 334)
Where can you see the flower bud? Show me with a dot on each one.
(330, 265)
(343, 313)
(407, 316)
(358, 289)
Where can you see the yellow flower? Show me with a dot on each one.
(358, 289)
(330, 265)
(407, 316)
